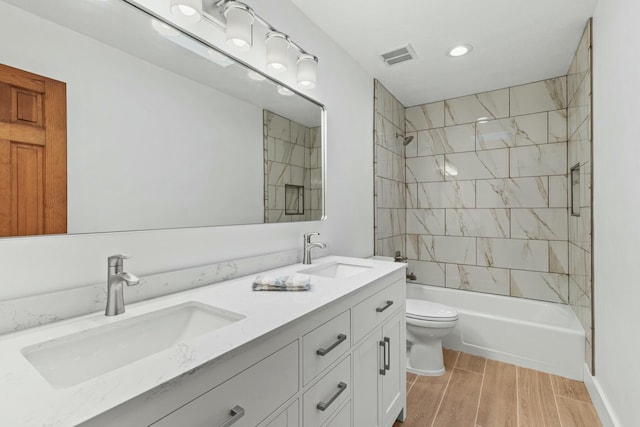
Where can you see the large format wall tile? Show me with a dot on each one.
(513, 193)
(389, 246)
(391, 222)
(390, 193)
(426, 116)
(277, 126)
(542, 286)
(452, 139)
(513, 253)
(427, 273)
(558, 196)
(559, 257)
(546, 95)
(478, 222)
(513, 132)
(477, 165)
(451, 194)
(425, 169)
(457, 250)
(538, 160)
(426, 221)
(481, 279)
(539, 224)
(558, 126)
(469, 109)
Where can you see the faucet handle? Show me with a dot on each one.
(307, 236)
(115, 260)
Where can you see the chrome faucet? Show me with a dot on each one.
(115, 279)
(308, 246)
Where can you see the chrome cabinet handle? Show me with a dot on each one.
(383, 370)
(325, 351)
(323, 406)
(387, 305)
(236, 413)
(387, 354)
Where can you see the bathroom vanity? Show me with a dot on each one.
(223, 355)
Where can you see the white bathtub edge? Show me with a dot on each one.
(599, 399)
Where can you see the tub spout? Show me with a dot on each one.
(411, 276)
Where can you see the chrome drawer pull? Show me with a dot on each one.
(323, 406)
(236, 413)
(387, 305)
(324, 351)
(383, 370)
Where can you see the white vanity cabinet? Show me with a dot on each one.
(340, 365)
(379, 377)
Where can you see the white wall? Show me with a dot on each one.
(143, 143)
(616, 175)
(42, 264)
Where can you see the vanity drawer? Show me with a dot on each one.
(342, 419)
(256, 392)
(287, 418)
(325, 344)
(377, 308)
(322, 400)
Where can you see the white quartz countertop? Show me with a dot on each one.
(27, 399)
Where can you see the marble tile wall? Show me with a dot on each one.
(579, 153)
(292, 155)
(486, 192)
(391, 173)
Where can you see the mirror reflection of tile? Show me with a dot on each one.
(293, 177)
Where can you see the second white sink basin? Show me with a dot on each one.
(76, 358)
(336, 270)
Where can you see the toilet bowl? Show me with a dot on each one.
(427, 324)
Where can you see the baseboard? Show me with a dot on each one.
(599, 400)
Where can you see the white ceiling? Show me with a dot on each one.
(515, 41)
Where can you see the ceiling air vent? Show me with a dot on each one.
(396, 56)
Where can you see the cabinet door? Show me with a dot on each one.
(393, 383)
(367, 358)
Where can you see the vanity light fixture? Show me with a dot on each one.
(256, 76)
(188, 10)
(482, 120)
(164, 29)
(460, 50)
(307, 70)
(284, 91)
(277, 51)
(239, 30)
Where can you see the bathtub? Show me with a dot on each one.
(538, 335)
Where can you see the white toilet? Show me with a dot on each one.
(427, 324)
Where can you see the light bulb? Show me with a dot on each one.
(277, 51)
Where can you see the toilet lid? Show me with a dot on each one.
(427, 310)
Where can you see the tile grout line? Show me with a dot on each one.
(484, 372)
(444, 392)
(517, 398)
(555, 399)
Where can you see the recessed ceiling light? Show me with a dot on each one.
(460, 49)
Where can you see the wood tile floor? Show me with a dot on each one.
(477, 392)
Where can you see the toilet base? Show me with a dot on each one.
(426, 359)
(424, 373)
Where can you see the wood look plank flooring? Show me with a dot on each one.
(477, 392)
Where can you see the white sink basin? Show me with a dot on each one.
(336, 270)
(76, 358)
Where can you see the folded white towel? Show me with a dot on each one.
(294, 282)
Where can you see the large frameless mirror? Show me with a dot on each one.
(162, 130)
